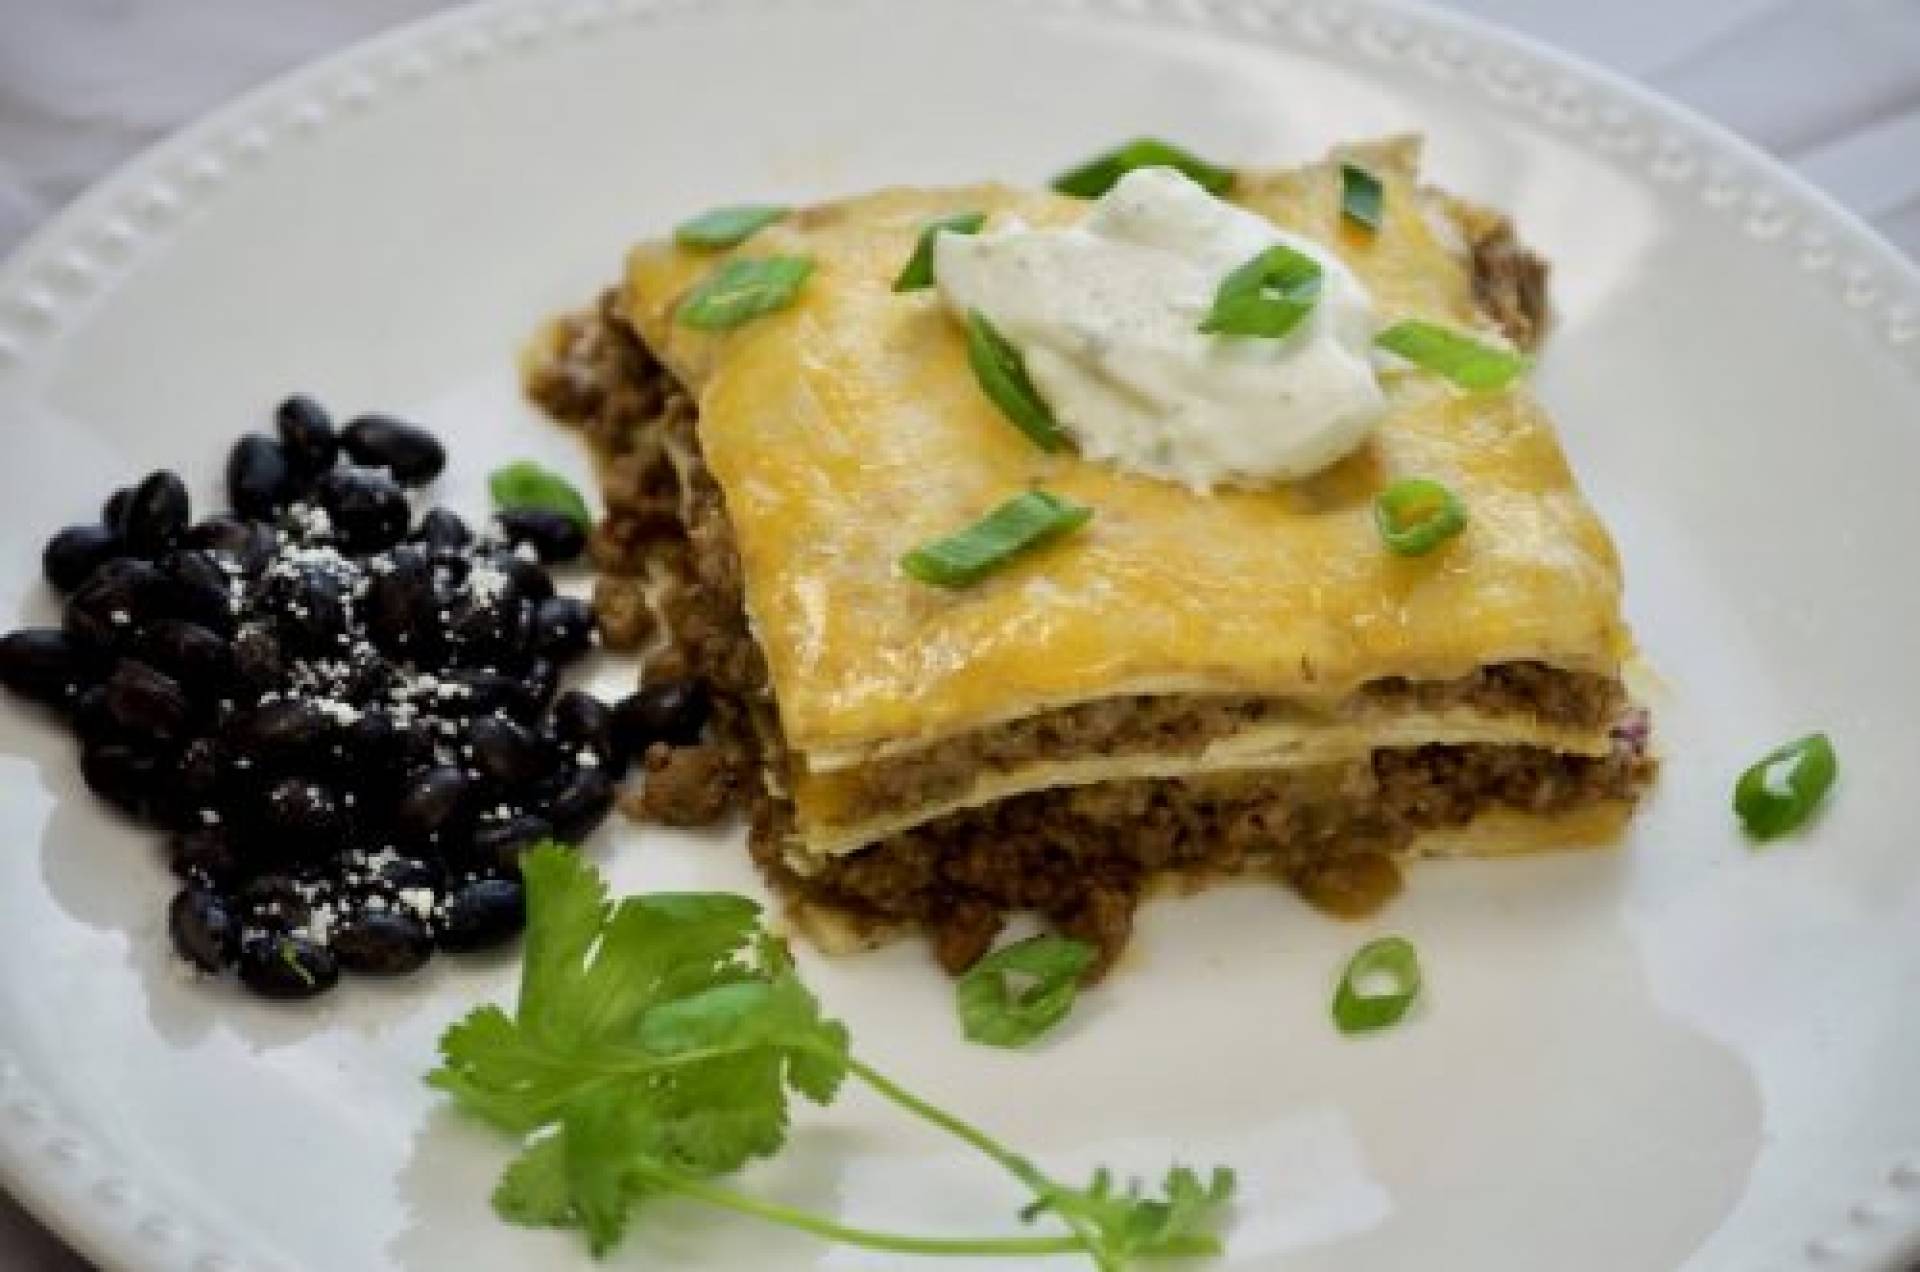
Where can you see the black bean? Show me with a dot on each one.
(194, 783)
(284, 733)
(304, 815)
(46, 665)
(309, 608)
(411, 453)
(275, 902)
(147, 703)
(287, 967)
(204, 853)
(250, 543)
(529, 580)
(260, 479)
(563, 628)
(368, 508)
(495, 847)
(483, 692)
(442, 530)
(120, 773)
(257, 660)
(541, 680)
(434, 805)
(93, 724)
(481, 913)
(583, 721)
(203, 928)
(394, 872)
(198, 588)
(77, 552)
(508, 753)
(381, 942)
(401, 610)
(157, 515)
(670, 711)
(115, 600)
(198, 658)
(581, 804)
(113, 513)
(306, 435)
(484, 633)
(375, 753)
(554, 535)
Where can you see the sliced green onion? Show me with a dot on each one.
(525, 484)
(1018, 992)
(728, 226)
(743, 289)
(1779, 793)
(1267, 296)
(1018, 525)
(1097, 176)
(291, 958)
(1361, 196)
(1003, 377)
(1461, 359)
(1416, 515)
(918, 271)
(1360, 1005)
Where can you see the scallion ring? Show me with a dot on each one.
(1778, 793)
(1361, 196)
(1267, 296)
(743, 289)
(1098, 175)
(918, 271)
(1416, 515)
(1470, 364)
(1379, 985)
(1020, 524)
(1003, 377)
(718, 228)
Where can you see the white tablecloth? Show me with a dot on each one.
(1831, 86)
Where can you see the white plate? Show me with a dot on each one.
(1683, 1053)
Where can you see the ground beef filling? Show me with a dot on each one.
(1080, 856)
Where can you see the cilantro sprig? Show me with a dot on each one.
(655, 1048)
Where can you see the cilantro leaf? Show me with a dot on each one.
(1131, 1224)
(656, 1045)
(534, 1191)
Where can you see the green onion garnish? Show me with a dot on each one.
(743, 289)
(1021, 523)
(1780, 792)
(1003, 377)
(1360, 1004)
(1416, 515)
(1361, 196)
(525, 484)
(1017, 993)
(291, 958)
(1267, 296)
(1462, 359)
(918, 271)
(728, 226)
(1097, 176)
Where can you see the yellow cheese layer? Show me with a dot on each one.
(849, 428)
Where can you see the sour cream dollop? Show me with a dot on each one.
(1107, 315)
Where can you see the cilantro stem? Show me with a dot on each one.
(827, 1229)
(1025, 1171)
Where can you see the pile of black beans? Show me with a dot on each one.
(347, 719)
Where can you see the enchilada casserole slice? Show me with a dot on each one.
(1194, 684)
